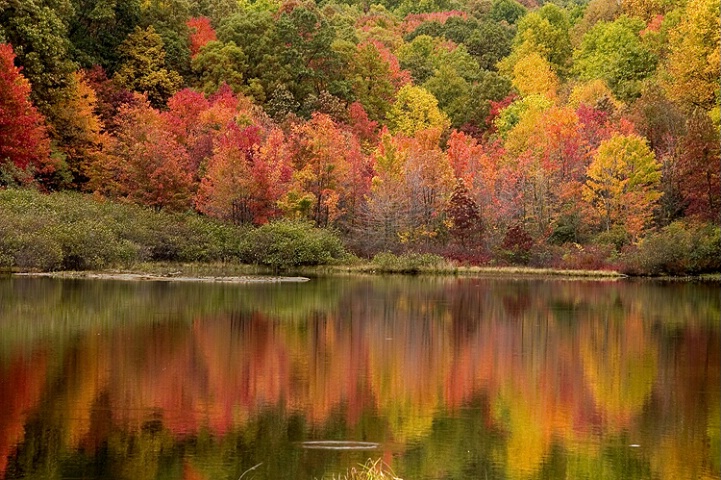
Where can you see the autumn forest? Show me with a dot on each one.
(568, 134)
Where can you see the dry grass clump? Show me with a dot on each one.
(370, 470)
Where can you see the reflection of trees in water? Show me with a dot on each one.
(559, 366)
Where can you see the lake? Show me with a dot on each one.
(437, 377)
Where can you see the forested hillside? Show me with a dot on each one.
(559, 134)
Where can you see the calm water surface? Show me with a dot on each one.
(443, 377)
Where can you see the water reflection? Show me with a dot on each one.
(449, 377)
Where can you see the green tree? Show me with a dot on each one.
(546, 32)
(489, 44)
(219, 63)
(596, 11)
(307, 51)
(216, 10)
(452, 92)
(372, 81)
(256, 33)
(38, 33)
(455, 74)
(143, 67)
(417, 57)
(168, 18)
(506, 10)
(615, 53)
(98, 27)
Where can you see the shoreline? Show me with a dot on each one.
(250, 274)
(172, 277)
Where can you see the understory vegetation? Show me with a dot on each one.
(73, 231)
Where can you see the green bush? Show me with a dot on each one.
(387, 262)
(77, 232)
(32, 251)
(617, 236)
(286, 244)
(678, 249)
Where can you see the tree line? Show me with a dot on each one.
(560, 133)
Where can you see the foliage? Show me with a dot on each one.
(699, 172)
(38, 32)
(285, 244)
(98, 27)
(510, 116)
(678, 249)
(145, 165)
(74, 231)
(79, 130)
(201, 33)
(509, 11)
(533, 75)
(387, 262)
(143, 68)
(622, 186)
(415, 109)
(517, 244)
(582, 122)
(546, 32)
(463, 215)
(243, 180)
(217, 63)
(695, 56)
(376, 77)
(615, 53)
(587, 257)
(24, 142)
(327, 164)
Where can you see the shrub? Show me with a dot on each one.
(616, 236)
(677, 249)
(545, 255)
(32, 251)
(516, 246)
(285, 244)
(413, 263)
(74, 231)
(587, 257)
(466, 256)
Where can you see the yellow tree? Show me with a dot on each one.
(592, 93)
(623, 184)
(533, 74)
(79, 130)
(415, 109)
(694, 60)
